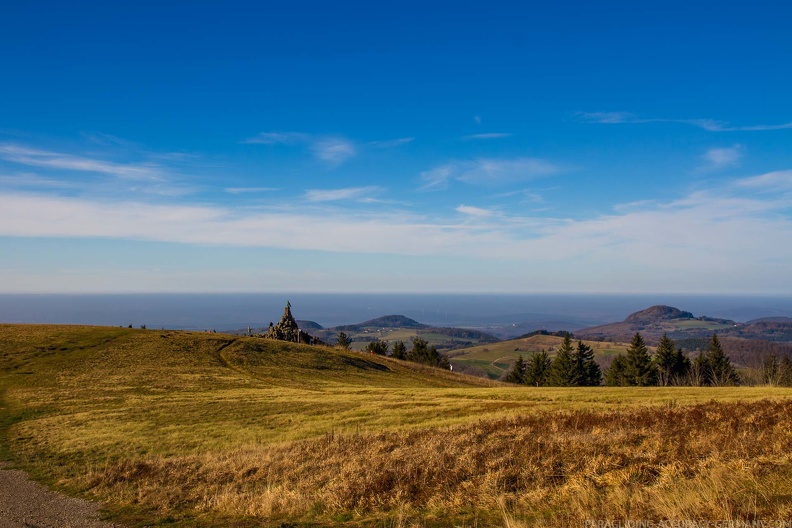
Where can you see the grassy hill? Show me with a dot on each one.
(494, 359)
(197, 429)
(393, 328)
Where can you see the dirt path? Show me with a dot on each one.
(25, 504)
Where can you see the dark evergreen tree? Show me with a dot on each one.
(537, 369)
(640, 370)
(399, 350)
(421, 352)
(517, 372)
(664, 361)
(587, 372)
(616, 375)
(562, 369)
(343, 341)
(720, 366)
(671, 362)
(378, 347)
(680, 366)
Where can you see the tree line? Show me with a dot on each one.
(574, 366)
(420, 352)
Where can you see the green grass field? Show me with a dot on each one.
(495, 358)
(192, 429)
(706, 325)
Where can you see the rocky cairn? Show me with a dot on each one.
(287, 330)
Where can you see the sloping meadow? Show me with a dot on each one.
(706, 461)
(199, 429)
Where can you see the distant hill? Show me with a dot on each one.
(658, 313)
(782, 320)
(386, 321)
(679, 325)
(393, 328)
(309, 325)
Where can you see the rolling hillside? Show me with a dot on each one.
(200, 429)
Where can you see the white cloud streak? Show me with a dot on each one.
(390, 143)
(275, 138)
(725, 236)
(710, 125)
(487, 171)
(59, 161)
(332, 195)
(488, 135)
(771, 182)
(249, 190)
(329, 149)
(478, 212)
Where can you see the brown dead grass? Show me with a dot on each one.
(708, 461)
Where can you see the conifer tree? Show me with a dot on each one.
(421, 352)
(587, 372)
(616, 375)
(669, 361)
(517, 372)
(720, 366)
(663, 359)
(377, 347)
(399, 350)
(640, 370)
(343, 341)
(562, 369)
(537, 369)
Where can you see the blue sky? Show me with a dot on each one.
(624, 147)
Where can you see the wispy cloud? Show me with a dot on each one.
(770, 182)
(34, 181)
(709, 239)
(710, 125)
(389, 143)
(487, 171)
(333, 150)
(475, 211)
(331, 195)
(246, 190)
(721, 158)
(437, 178)
(528, 195)
(724, 221)
(56, 160)
(488, 135)
(329, 149)
(607, 117)
(274, 138)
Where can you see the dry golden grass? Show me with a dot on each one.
(205, 429)
(708, 461)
